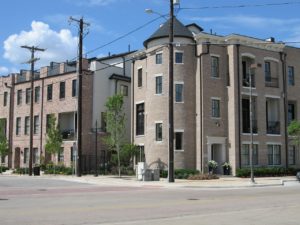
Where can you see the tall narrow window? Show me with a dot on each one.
(140, 77)
(140, 126)
(178, 92)
(74, 88)
(158, 85)
(36, 125)
(158, 58)
(19, 97)
(274, 154)
(35, 156)
(178, 57)
(291, 112)
(60, 155)
(292, 155)
(268, 77)
(26, 155)
(18, 126)
(62, 89)
(37, 94)
(215, 108)
(178, 140)
(214, 66)
(49, 92)
(27, 125)
(245, 154)
(28, 95)
(291, 76)
(158, 131)
(124, 90)
(5, 98)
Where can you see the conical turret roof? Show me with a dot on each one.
(179, 31)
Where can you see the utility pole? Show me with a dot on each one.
(171, 94)
(32, 49)
(79, 107)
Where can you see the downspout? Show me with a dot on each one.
(201, 97)
(132, 102)
(239, 103)
(11, 120)
(42, 116)
(124, 69)
(283, 61)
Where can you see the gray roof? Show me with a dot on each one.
(179, 31)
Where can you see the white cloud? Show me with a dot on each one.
(60, 46)
(91, 3)
(3, 70)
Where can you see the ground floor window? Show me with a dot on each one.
(245, 154)
(35, 155)
(26, 156)
(292, 155)
(140, 155)
(274, 155)
(178, 140)
(60, 155)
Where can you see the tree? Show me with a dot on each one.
(4, 148)
(115, 125)
(294, 131)
(54, 137)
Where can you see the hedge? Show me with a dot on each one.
(179, 173)
(267, 172)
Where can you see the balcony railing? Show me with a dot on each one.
(246, 129)
(68, 134)
(272, 82)
(246, 80)
(273, 127)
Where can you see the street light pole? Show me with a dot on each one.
(171, 94)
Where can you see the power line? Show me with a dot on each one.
(240, 6)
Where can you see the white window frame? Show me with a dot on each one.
(211, 101)
(179, 63)
(159, 122)
(182, 83)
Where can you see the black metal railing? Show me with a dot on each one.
(68, 134)
(246, 80)
(246, 127)
(272, 82)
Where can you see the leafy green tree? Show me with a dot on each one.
(294, 131)
(115, 125)
(4, 148)
(128, 151)
(54, 137)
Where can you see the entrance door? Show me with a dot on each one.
(17, 158)
(216, 155)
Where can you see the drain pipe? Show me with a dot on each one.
(283, 61)
(239, 102)
(201, 97)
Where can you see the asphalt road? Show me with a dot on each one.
(40, 201)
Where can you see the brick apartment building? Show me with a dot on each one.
(212, 99)
(55, 92)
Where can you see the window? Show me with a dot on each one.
(19, 97)
(140, 127)
(178, 57)
(214, 66)
(140, 77)
(72, 155)
(26, 155)
(35, 156)
(215, 108)
(178, 92)
(5, 98)
(27, 125)
(292, 155)
(60, 155)
(48, 117)
(62, 89)
(178, 140)
(37, 94)
(158, 58)
(158, 85)
(49, 92)
(18, 126)
(28, 95)
(274, 155)
(124, 90)
(3, 126)
(158, 131)
(245, 154)
(268, 72)
(36, 125)
(291, 112)
(74, 88)
(291, 76)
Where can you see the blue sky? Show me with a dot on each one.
(44, 23)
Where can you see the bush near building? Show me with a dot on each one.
(267, 172)
(179, 173)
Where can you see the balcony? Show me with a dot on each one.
(68, 134)
(246, 127)
(272, 82)
(273, 127)
(246, 80)
(67, 124)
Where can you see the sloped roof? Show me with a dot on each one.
(179, 31)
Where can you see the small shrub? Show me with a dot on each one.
(21, 171)
(203, 177)
(3, 169)
(267, 172)
(179, 173)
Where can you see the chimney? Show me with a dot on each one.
(271, 39)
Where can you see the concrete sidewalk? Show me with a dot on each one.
(223, 182)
